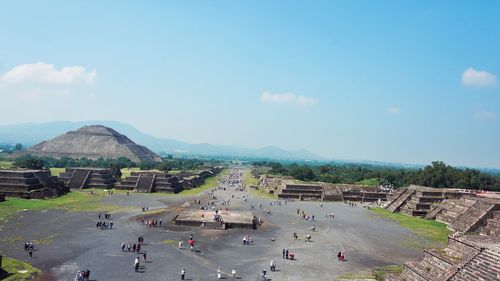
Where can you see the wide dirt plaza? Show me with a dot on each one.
(69, 240)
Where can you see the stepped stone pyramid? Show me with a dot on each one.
(417, 200)
(80, 178)
(29, 184)
(151, 181)
(93, 142)
(155, 181)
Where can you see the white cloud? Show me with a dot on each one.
(480, 78)
(47, 74)
(393, 110)
(267, 97)
(485, 115)
(38, 81)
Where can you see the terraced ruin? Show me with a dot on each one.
(473, 251)
(30, 184)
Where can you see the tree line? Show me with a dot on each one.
(168, 164)
(438, 175)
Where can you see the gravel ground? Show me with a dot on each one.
(71, 241)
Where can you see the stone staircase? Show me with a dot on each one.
(396, 204)
(484, 267)
(145, 182)
(492, 225)
(472, 217)
(78, 179)
(452, 209)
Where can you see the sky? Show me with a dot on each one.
(398, 81)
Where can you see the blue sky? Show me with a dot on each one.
(401, 81)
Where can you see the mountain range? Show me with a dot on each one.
(30, 134)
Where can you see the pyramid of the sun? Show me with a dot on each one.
(93, 142)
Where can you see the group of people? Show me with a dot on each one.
(82, 275)
(136, 248)
(29, 247)
(107, 216)
(104, 225)
(341, 256)
(151, 222)
(247, 240)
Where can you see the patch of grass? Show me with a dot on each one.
(18, 270)
(5, 164)
(261, 193)
(78, 201)
(380, 272)
(370, 182)
(429, 229)
(127, 171)
(250, 180)
(169, 242)
(56, 171)
(46, 240)
(352, 276)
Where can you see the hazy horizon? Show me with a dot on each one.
(389, 81)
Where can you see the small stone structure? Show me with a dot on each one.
(81, 178)
(30, 184)
(204, 219)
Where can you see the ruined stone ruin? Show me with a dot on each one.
(466, 258)
(93, 142)
(30, 184)
(81, 178)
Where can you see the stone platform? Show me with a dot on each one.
(204, 219)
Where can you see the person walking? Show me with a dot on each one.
(233, 273)
(30, 252)
(219, 273)
(183, 273)
(136, 264)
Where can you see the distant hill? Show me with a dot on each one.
(30, 134)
